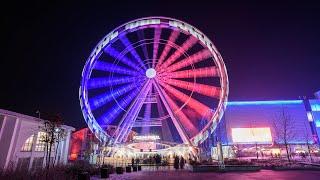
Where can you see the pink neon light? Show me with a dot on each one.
(147, 116)
(194, 73)
(185, 46)
(173, 36)
(157, 34)
(203, 89)
(193, 59)
(182, 117)
(192, 103)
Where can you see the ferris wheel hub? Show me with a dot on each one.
(151, 73)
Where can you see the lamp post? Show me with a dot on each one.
(38, 112)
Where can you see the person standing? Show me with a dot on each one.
(182, 162)
(176, 162)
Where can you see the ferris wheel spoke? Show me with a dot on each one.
(130, 116)
(147, 116)
(183, 48)
(109, 116)
(153, 73)
(157, 34)
(117, 55)
(194, 73)
(191, 102)
(104, 66)
(125, 41)
(173, 36)
(104, 98)
(207, 90)
(176, 122)
(144, 47)
(95, 83)
(193, 59)
(188, 125)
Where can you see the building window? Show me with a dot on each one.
(27, 146)
(23, 164)
(41, 141)
(37, 163)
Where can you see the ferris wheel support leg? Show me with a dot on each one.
(129, 118)
(179, 128)
(166, 132)
(142, 99)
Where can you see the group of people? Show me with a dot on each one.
(179, 162)
(157, 160)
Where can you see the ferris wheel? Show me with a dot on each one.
(154, 75)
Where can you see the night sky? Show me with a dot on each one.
(271, 50)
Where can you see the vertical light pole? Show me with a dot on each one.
(38, 112)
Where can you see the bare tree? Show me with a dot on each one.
(89, 152)
(284, 129)
(52, 134)
(60, 135)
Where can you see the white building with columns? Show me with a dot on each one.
(21, 145)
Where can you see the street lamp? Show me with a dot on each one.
(38, 112)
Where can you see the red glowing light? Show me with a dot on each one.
(76, 143)
(193, 59)
(203, 89)
(184, 48)
(191, 102)
(194, 73)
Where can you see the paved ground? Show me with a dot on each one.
(185, 175)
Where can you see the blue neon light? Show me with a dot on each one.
(105, 82)
(128, 45)
(274, 102)
(117, 55)
(317, 122)
(315, 107)
(104, 66)
(113, 112)
(104, 98)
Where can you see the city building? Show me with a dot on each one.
(21, 142)
(247, 126)
(85, 145)
(251, 126)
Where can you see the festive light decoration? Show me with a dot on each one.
(105, 82)
(132, 50)
(104, 98)
(149, 61)
(193, 73)
(104, 66)
(184, 47)
(203, 89)
(191, 102)
(276, 102)
(116, 54)
(157, 34)
(174, 35)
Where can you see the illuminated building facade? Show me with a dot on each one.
(21, 142)
(248, 124)
(251, 124)
(84, 145)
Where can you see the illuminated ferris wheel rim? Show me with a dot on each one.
(149, 22)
